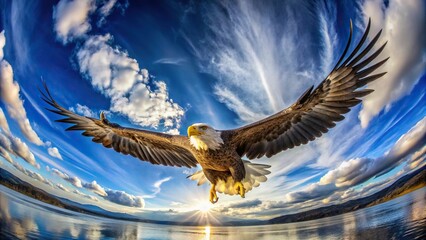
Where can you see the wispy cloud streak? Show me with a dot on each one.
(157, 187)
(258, 61)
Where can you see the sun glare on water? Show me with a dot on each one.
(207, 233)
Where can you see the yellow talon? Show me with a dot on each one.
(240, 189)
(213, 195)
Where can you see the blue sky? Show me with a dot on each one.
(164, 65)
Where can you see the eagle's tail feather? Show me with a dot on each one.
(198, 176)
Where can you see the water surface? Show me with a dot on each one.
(25, 218)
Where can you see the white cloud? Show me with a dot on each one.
(83, 110)
(96, 188)
(29, 173)
(240, 207)
(16, 147)
(173, 131)
(5, 155)
(403, 25)
(172, 61)
(5, 142)
(59, 173)
(78, 192)
(3, 123)
(125, 199)
(105, 10)
(417, 159)
(22, 150)
(54, 152)
(368, 189)
(2, 43)
(73, 180)
(313, 191)
(112, 71)
(9, 93)
(118, 77)
(36, 176)
(19, 167)
(86, 195)
(355, 171)
(93, 198)
(60, 186)
(415, 136)
(348, 172)
(71, 18)
(419, 154)
(115, 196)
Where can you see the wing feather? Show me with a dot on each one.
(316, 111)
(153, 147)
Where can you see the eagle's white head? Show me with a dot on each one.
(204, 137)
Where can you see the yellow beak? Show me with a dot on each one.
(192, 131)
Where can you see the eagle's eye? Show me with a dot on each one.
(204, 128)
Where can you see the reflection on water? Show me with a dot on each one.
(207, 233)
(24, 218)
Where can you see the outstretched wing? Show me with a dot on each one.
(315, 111)
(153, 147)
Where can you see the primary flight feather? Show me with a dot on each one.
(220, 153)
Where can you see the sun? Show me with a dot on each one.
(203, 212)
(204, 207)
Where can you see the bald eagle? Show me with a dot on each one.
(220, 152)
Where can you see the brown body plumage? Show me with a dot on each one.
(220, 164)
(219, 152)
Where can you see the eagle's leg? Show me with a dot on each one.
(238, 172)
(213, 195)
(238, 186)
